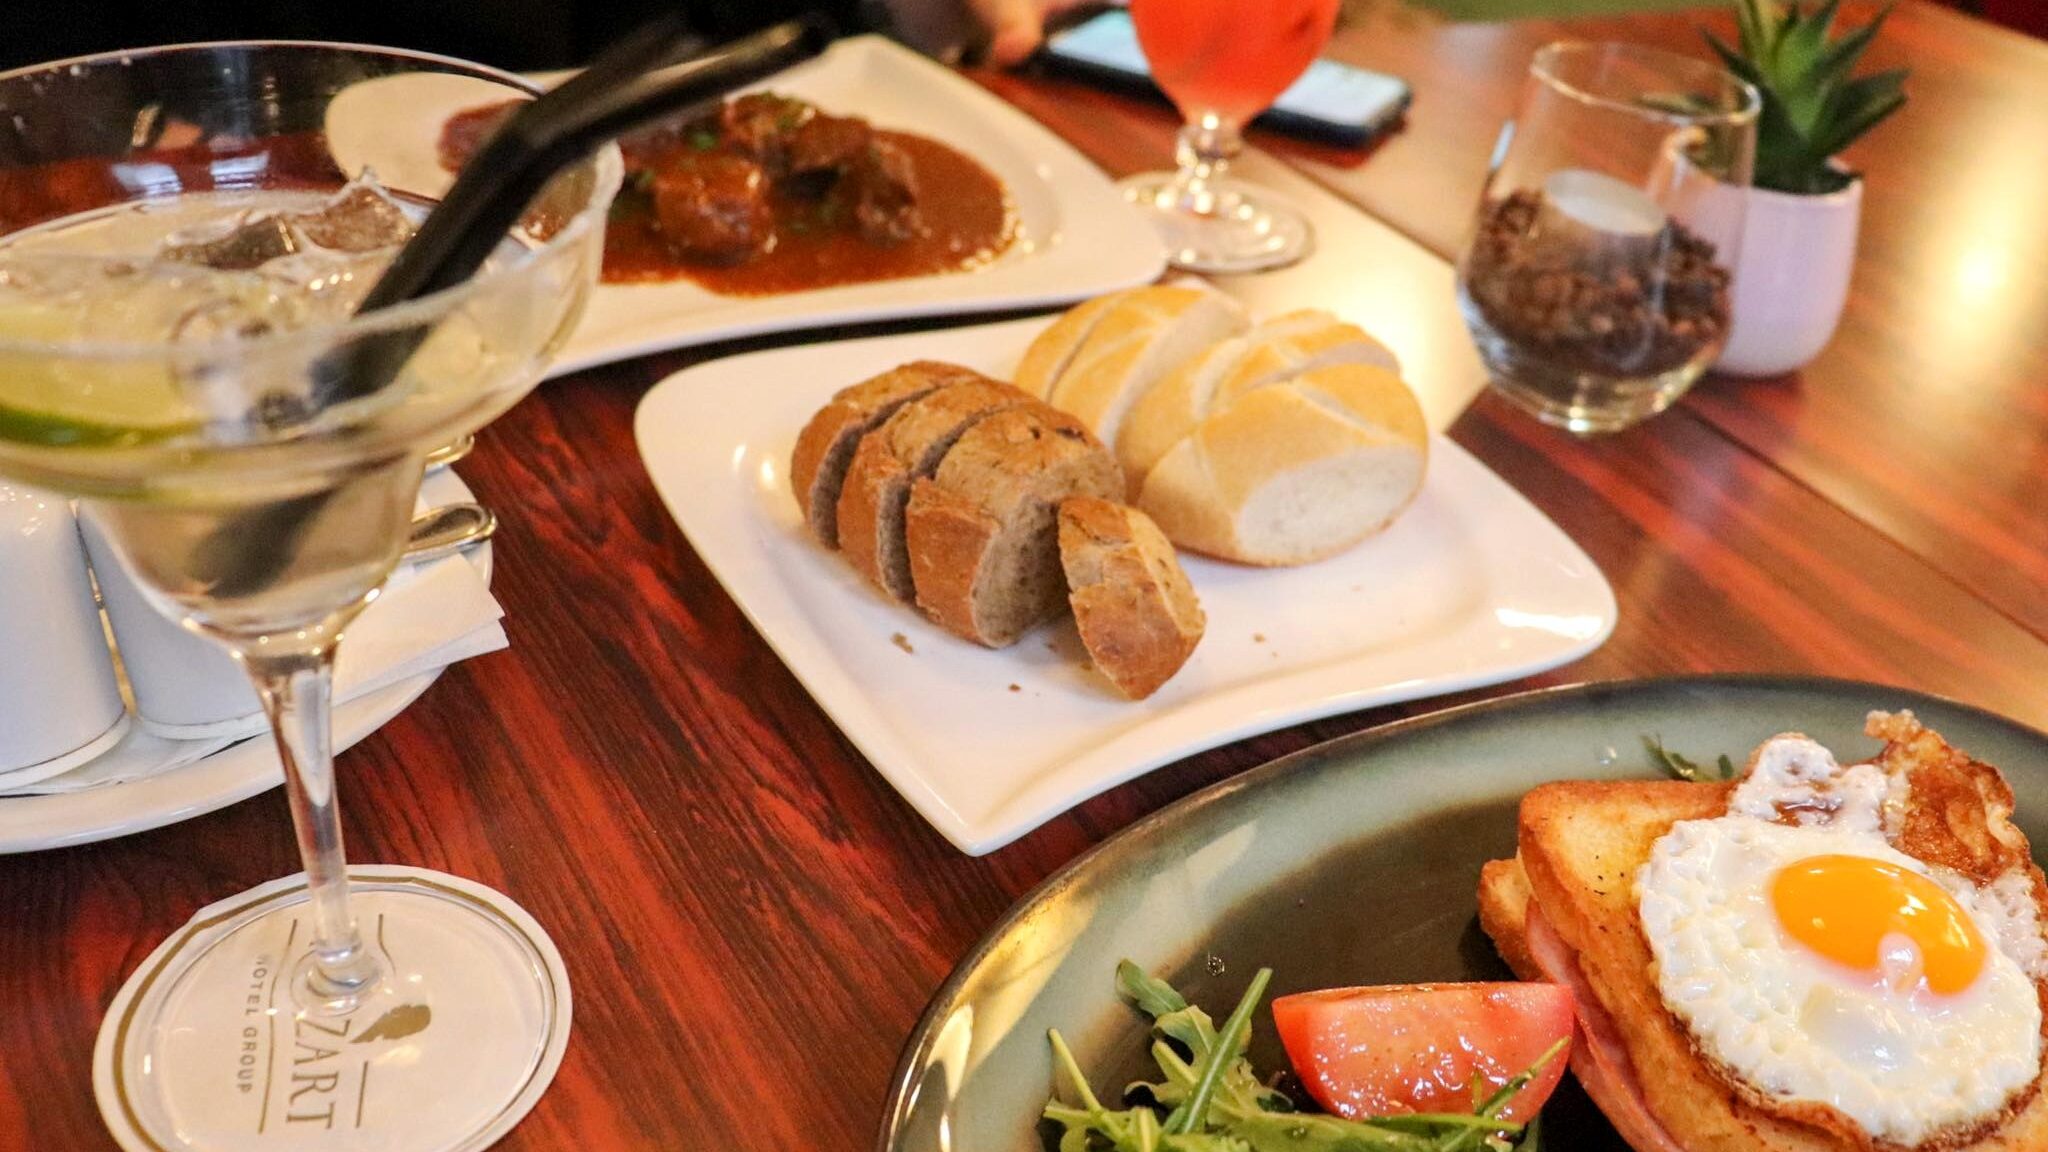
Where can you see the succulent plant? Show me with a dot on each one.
(1812, 107)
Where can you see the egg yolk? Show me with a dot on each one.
(1845, 908)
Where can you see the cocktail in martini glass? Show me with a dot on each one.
(182, 248)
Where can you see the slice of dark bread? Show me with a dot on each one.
(1136, 611)
(904, 447)
(982, 529)
(817, 468)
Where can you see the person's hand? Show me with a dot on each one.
(1015, 27)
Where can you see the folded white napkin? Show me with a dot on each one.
(427, 617)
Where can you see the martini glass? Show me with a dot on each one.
(179, 267)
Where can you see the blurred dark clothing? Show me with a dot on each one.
(520, 35)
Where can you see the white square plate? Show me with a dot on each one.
(1472, 586)
(1076, 235)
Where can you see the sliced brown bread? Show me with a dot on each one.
(1137, 613)
(904, 447)
(1579, 847)
(982, 530)
(817, 468)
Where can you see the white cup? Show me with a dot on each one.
(186, 687)
(60, 704)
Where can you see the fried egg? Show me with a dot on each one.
(1814, 961)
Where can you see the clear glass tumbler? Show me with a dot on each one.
(1595, 281)
(182, 245)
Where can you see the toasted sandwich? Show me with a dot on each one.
(1813, 957)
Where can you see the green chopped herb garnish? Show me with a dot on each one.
(1678, 766)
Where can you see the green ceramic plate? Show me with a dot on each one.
(1351, 863)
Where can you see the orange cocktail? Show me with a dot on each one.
(1223, 62)
(1230, 57)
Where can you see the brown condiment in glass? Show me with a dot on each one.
(1613, 308)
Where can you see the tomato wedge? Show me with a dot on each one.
(1393, 1050)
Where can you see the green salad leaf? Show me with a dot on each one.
(1675, 765)
(1213, 1101)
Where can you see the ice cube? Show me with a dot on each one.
(120, 301)
(250, 243)
(360, 218)
(332, 284)
(169, 303)
(226, 306)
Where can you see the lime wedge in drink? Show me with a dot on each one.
(57, 404)
(56, 393)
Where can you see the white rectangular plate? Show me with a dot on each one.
(1076, 235)
(1471, 586)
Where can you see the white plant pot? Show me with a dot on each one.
(1791, 277)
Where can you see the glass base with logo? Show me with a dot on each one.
(207, 1048)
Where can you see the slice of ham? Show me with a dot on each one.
(1599, 1061)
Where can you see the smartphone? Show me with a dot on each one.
(1331, 101)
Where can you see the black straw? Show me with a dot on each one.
(626, 87)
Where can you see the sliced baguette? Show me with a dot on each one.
(1137, 613)
(1294, 472)
(903, 448)
(981, 530)
(1210, 381)
(1134, 345)
(817, 468)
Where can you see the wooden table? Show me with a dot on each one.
(752, 919)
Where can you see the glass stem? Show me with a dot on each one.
(1204, 150)
(296, 688)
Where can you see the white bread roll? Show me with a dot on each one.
(1212, 380)
(1306, 340)
(1294, 472)
(1054, 348)
(1135, 343)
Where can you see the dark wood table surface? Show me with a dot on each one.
(752, 919)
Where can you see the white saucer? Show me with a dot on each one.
(237, 772)
(76, 758)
